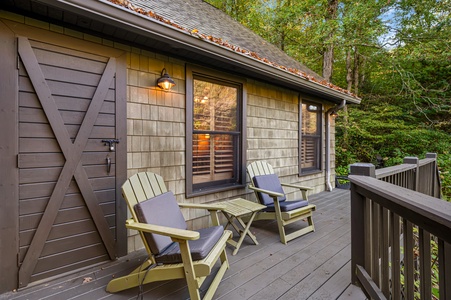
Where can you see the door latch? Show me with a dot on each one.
(110, 143)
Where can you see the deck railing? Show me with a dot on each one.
(418, 175)
(401, 231)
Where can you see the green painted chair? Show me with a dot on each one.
(174, 252)
(268, 189)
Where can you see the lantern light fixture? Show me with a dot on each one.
(165, 81)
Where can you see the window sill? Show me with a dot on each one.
(212, 190)
(312, 172)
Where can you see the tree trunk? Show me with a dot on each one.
(356, 70)
(328, 56)
(349, 74)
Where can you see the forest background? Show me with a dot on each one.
(395, 54)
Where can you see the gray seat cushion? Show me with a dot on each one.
(287, 205)
(199, 248)
(271, 183)
(160, 210)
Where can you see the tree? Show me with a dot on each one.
(328, 55)
(395, 54)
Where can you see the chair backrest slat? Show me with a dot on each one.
(145, 185)
(129, 196)
(259, 168)
(157, 183)
(141, 187)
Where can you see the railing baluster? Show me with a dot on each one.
(385, 247)
(375, 245)
(408, 260)
(368, 215)
(425, 263)
(395, 255)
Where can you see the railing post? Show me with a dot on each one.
(363, 169)
(358, 227)
(414, 161)
(435, 176)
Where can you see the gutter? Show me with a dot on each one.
(105, 11)
(329, 114)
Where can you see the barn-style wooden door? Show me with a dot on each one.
(68, 141)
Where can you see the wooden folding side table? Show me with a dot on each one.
(234, 210)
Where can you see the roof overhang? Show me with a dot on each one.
(108, 13)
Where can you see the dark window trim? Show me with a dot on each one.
(213, 75)
(310, 171)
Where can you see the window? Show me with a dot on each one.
(310, 141)
(214, 132)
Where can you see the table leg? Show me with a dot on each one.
(245, 232)
(247, 226)
(230, 222)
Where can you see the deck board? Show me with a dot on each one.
(314, 266)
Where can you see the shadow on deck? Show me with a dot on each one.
(314, 266)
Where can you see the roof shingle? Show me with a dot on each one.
(200, 19)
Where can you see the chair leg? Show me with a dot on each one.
(281, 226)
(285, 238)
(310, 222)
(218, 277)
(129, 281)
(280, 222)
(191, 280)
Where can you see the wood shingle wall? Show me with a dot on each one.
(156, 125)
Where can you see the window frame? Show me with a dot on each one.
(195, 72)
(319, 137)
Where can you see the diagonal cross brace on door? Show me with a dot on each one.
(72, 153)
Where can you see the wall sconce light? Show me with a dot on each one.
(165, 81)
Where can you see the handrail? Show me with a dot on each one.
(384, 172)
(388, 171)
(393, 225)
(428, 212)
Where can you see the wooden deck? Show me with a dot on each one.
(315, 266)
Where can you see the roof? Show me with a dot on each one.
(192, 30)
(202, 19)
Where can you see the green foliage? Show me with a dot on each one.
(402, 52)
(392, 132)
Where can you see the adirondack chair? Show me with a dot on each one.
(268, 189)
(174, 252)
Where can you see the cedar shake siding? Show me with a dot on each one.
(60, 179)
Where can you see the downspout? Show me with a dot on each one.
(329, 113)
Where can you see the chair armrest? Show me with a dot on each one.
(270, 193)
(171, 232)
(305, 188)
(212, 208)
(202, 206)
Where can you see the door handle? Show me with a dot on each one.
(108, 164)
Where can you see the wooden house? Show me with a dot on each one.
(80, 111)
